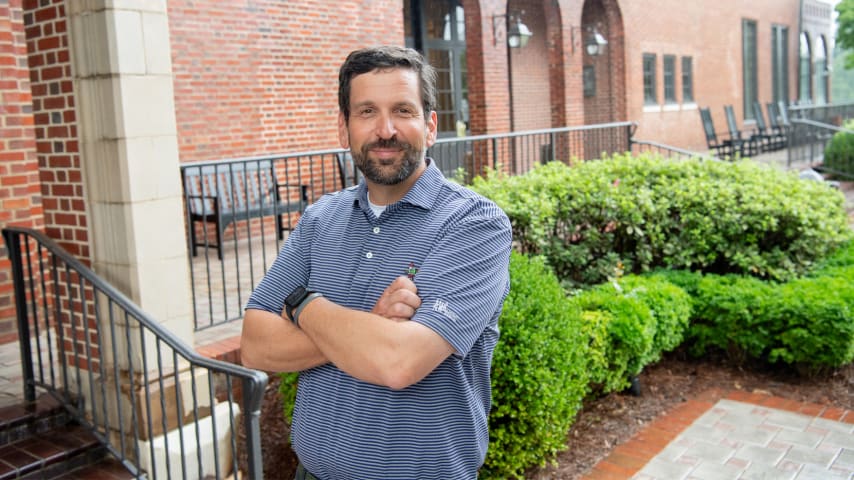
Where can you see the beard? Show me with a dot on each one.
(375, 171)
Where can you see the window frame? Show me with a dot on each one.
(750, 67)
(668, 65)
(650, 95)
(687, 74)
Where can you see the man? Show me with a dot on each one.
(386, 296)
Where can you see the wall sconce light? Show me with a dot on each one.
(518, 33)
(593, 42)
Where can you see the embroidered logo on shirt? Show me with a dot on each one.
(411, 271)
(442, 307)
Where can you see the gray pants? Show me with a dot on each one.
(303, 474)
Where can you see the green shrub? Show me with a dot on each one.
(730, 314)
(630, 323)
(539, 374)
(288, 390)
(670, 306)
(814, 323)
(648, 212)
(839, 153)
(807, 323)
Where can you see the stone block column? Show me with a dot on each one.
(121, 65)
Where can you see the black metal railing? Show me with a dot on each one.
(834, 114)
(808, 140)
(230, 262)
(667, 151)
(155, 404)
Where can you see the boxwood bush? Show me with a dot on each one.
(539, 373)
(631, 322)
(839, 153)
(806, 323)
(649, 212)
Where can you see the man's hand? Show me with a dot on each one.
(399, 300)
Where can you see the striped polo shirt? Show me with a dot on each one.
(459, 242)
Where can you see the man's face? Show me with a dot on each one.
(387, 133)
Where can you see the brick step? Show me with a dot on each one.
(105, 469)
(18, 422)
(41, 441)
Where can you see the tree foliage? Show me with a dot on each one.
(845, 32)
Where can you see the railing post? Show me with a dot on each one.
(252, 426)
(14, 247)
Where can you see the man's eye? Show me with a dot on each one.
(366, 111)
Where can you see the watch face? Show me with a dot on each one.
(297, 296)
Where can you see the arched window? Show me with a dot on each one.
(804, 90)
(820, 71)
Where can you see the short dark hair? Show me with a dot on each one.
(385, 58)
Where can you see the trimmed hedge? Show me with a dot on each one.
(839, 153)
(807, 323)
(631, 322)
(650, 212)
(539, 374)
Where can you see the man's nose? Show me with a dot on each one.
(385, 127)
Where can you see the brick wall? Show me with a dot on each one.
(20, 196)
(529, 67)
(712, 37)
(262, 77)
(55, 125)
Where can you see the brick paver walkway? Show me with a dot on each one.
(737, 435)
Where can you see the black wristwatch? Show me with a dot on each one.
(297, 300)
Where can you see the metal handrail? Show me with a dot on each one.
(807, 141)
(75, 330)
(668, 150)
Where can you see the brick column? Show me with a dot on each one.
(20, 197)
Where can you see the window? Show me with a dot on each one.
(589, 77)
(804, 72)
(687, 80)
(649, 97)
(669, 78)
(436, 28)
(748, 61)
(820, 71)
(780, 63)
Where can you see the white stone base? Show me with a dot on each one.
(157, 468)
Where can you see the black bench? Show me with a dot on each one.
(229, 192)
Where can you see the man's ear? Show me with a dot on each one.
(432, 128)
(343, 134)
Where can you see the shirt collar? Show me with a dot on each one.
(422, 194)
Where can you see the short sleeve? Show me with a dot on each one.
(464, 280)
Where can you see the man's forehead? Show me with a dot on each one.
(398, 81)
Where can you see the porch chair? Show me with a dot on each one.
(720, 147)
(750, 143)
(773, 139)
(775, 121)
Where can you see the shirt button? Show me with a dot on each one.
(369, 255)
(376, 229)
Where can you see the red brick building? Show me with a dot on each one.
(96, 97)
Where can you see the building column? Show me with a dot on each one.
(121, 64)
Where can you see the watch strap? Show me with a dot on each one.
(296, 311)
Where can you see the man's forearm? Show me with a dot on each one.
(273, 344)
(373, 348)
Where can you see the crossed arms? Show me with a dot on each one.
(381, 346)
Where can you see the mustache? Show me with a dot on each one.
(387, 143)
